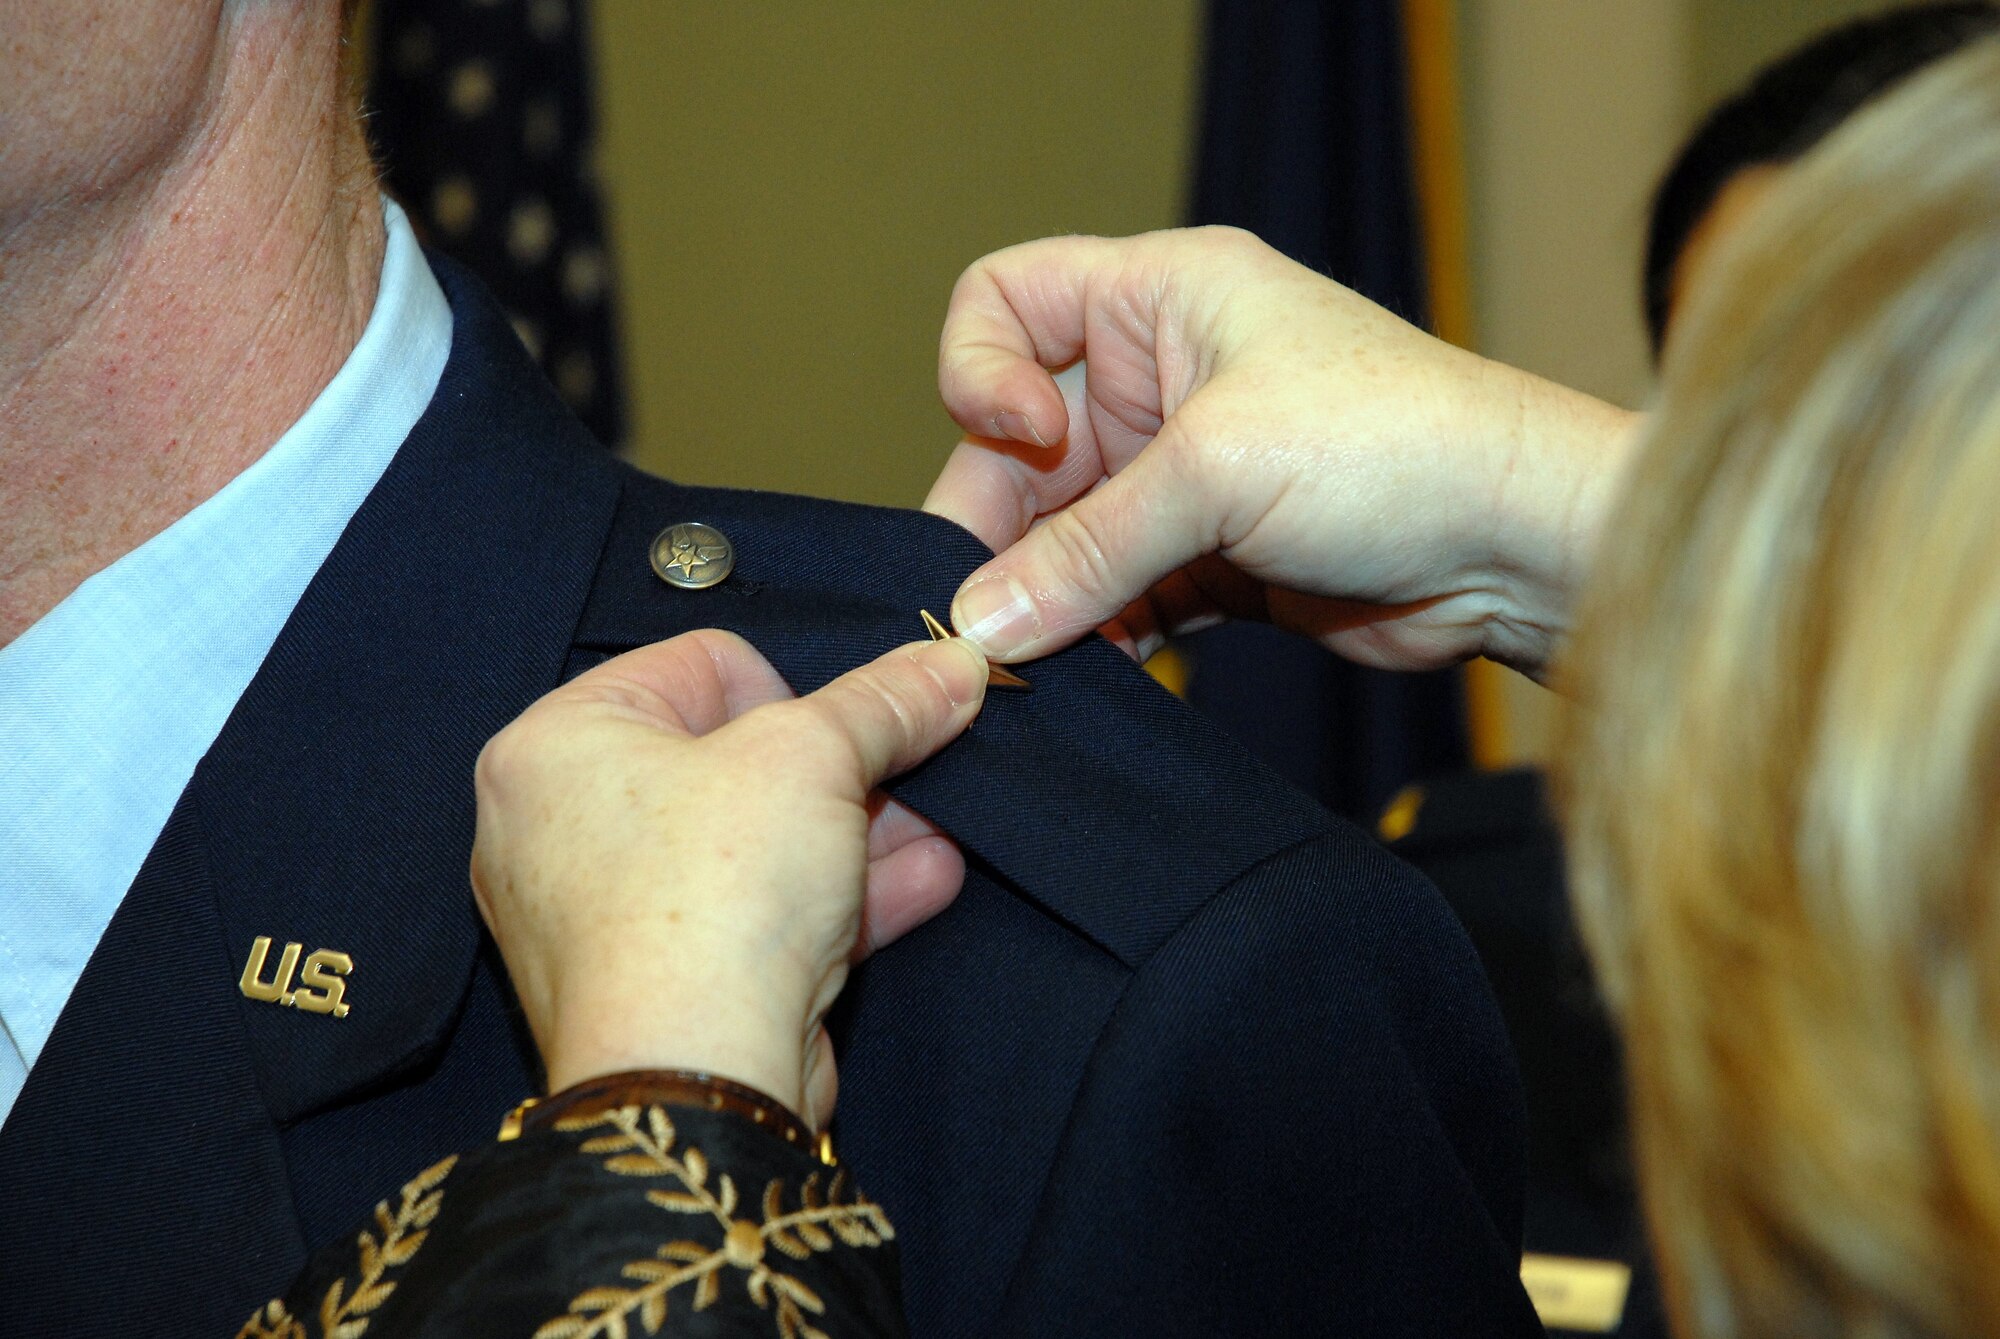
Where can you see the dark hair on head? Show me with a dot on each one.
(1790, 106)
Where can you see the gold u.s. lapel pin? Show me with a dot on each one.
(997, 676)
(322, 986)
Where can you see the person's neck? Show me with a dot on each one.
(163, 330)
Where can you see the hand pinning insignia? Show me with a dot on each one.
(997, 676)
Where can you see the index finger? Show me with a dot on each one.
(998, 489)
(1012, 316)
(986, 488)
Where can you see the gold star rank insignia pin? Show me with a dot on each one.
(997, 676)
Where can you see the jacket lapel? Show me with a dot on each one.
(333, 813)
(145, 1110)
(338, 799)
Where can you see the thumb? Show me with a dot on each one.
(899, 710)
(690, 684)
(1082, 565)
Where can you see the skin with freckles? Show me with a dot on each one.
(1178, 428)
(190, 241)
(1186, 426)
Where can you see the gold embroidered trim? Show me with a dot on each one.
(344, 1314)
(646, 1149)
(272, 1321)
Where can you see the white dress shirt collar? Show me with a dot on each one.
(112, 697)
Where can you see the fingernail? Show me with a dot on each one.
(996, 615)
(1019, 427)
(958, 667)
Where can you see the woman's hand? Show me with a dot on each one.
(673, 852)
(1242, 437)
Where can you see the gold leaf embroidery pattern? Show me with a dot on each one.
(272, 1321)
(344, 1314)
(643, 1146)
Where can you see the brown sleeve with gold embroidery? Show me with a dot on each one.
(668, 1205)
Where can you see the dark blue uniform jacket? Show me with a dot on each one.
(1188, 1057)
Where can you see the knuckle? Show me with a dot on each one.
(980, 288)
(896, 699)
(506, 759)
(918, 694)
(1219, 235)
(1077, 536)
(1227, 241)
(972, 278)
(779, 726)
(1203, 474)
(1192, 464)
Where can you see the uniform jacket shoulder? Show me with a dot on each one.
(1099, 795)
(1306, 1081)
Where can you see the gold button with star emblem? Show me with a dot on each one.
(692, 556)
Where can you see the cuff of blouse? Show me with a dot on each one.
(666, 1088)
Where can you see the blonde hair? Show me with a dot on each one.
(1782, 779)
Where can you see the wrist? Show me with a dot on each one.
(684, 1089)
(754, 1066)
(726, 1028)
(1559, 469)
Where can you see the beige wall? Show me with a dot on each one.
(1735, 37)
(795, 187)
(1573, 108)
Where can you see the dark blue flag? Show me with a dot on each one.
(481, 114)
(1305, 141)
